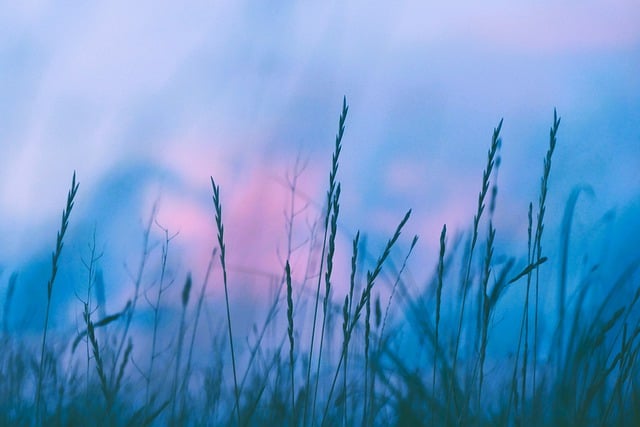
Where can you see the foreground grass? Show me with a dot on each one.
(420, 356)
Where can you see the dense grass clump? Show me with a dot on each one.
(384, 352)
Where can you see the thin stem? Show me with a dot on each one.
(364, 298)
(538, 236)
(54, 271)
(291, 340)
(220, 226)
(443, 236)
(332, 186)
(495, 144)
(327, 295)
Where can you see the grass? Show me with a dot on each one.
(55, 257)
(221, 245)
(429, 356)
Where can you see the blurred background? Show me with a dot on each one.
(146, 101)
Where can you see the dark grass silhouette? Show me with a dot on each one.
(320, 358)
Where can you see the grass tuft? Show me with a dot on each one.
(444, 351)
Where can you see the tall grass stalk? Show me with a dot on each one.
(367, 402)
(495, 144)
(221, 245)
(327, 294)
(346, 315)
(443, 237)
(330, 196)
(54, 271)
(291, 340)
(544, 184)
(364, 297)
(485, 308)
(485, 301)
(394, 288)
(523, 337)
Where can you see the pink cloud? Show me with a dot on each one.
(254, 199)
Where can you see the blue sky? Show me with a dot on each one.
(147, 101)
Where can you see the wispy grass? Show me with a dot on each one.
(436, 346)
(218, 207)
(55, 257)
(544, 186)
(291, 339)
(155, 305)
(461, 408)
(351, 321)
(429, 356)
(330, 198)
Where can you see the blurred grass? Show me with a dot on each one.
(427, 360)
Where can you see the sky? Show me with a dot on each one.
(146, 101)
